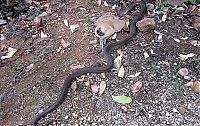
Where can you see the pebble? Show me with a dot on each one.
(146, 24)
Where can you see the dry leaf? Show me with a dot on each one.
(135, 75)
(74, 86)
(124, 108)
(120, 52)
(29, 1)
(94, 88)
(146, 55)
(195, 86)
(102, 87)
(159, 33)
(184, 57)
(166, 64)
(66, 22)
(121, 72)
(76, 66)
(183, 71)
(3, 46)
(136, 87)
(64, 44)
(73, 28)
(43, 35)
(175, 2)
(187, 78)
(180, 9)
(118, 62)
(87, 83)
(11, 52)
(177, 40)
(124, 119)
(195, 43)
(164, 17)
(105, 4)
(99, 2)
(114, 36)
(29, 67)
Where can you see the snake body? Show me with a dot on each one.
(107, 56)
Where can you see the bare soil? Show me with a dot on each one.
(25, 93)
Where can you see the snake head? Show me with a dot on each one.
(133, 9)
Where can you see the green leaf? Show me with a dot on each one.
(122, 99)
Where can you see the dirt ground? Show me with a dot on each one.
(32, 78)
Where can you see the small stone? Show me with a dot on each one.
(181, 109)
(183, 72)
(196, 22)
(146, 24)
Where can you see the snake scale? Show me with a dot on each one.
(107, 56)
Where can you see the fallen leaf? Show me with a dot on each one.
(66, 22)
(175, 2)
(94, 88)
(99, 2)
(160, 38)
(195, 86)
(183, 71)
(43, 35)
(3, 46)
(29, 67)
(118, 62)
(87, 83)
(164, 17)
(122, 99)
(124, 108)
(184, 57)
(120, 52)
(166, 64)
(159, 33)
(2, 37)
(102, 87)
(124, 119)
(74, 86)
(187, 78)
(180, 9)
(64, 44)
(114, 6)
(136, 87)
(76, 66)
(114, 36)
(121, 72)
(106, 4)
(195, 43)
(146, 55)
(73, 28)
(10, 53)
(135, 75)
(103, 75)
(177, 40)
(29, 1)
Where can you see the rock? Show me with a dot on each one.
(146, 24)
(2, 22)
(196, 22)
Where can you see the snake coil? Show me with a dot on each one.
(107, 56)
